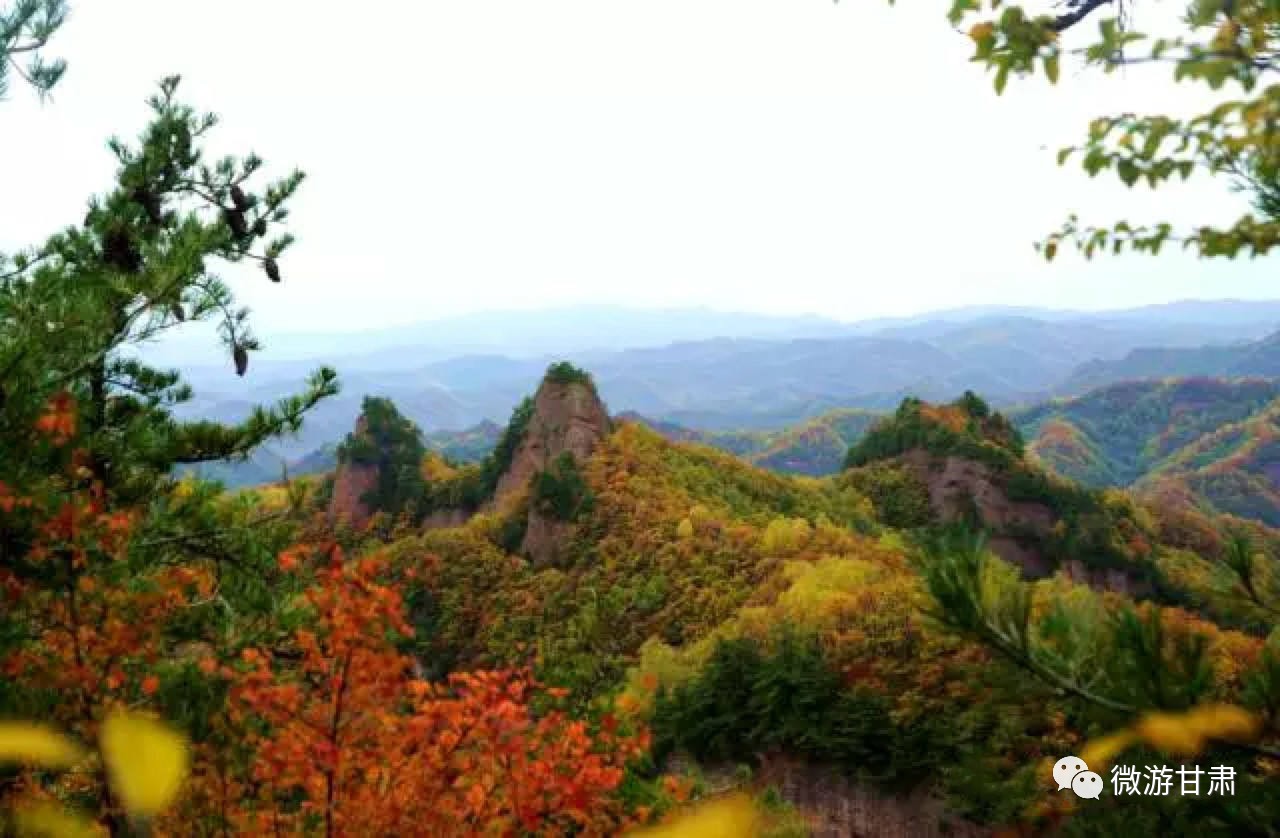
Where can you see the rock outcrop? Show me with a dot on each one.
(837, 805)
(1017, 529)
(568, 417)
(959, 487)
(351, 482)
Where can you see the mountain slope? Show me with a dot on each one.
(689, 579)
(1235, 469)
(1117, 434)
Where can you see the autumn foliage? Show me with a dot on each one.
(357, 744)
(326, 728)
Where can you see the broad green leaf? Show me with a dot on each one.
(1002, 78)
(1051, 67)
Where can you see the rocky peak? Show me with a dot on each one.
(568, 417)
(565, 423)
(351, 482)
(379, 466)
(967, 465)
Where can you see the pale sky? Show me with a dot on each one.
(759, 155)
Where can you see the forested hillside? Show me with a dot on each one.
(579, 624)
(1209, 439)
(676, 573)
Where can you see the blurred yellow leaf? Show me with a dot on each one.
(37, 745)
(46, 819)
(981, 31)
(1186, 734)
(728, 817)
(146, 761)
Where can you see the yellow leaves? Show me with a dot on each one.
(982, 31)
(146, 761)
(1179, 734)
(785, 536)
(1186, 734)
(46, 819)
(185, 488)
(1226, 36)
(685, 529)
(734, 816)
(37, 745)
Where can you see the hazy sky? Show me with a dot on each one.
(762, 155)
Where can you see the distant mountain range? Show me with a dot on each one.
(719, 372)
(1251, 358)
(1211, 442)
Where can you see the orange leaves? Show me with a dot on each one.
(288, 559)
(58, 421)
(10, 500)
(370, 748)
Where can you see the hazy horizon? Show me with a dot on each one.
(776, 157)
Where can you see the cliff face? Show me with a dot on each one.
(568, 417)
(1019, 530)
(957, 485)
(351, 481)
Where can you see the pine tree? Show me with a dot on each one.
(75, 311)
(83, 415)
(26, 27)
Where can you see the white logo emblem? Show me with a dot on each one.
(1071, 773)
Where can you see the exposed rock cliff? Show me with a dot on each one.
(567, 422)
(568, 417)
(962, 463)
(351, 483)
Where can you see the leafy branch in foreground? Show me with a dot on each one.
(1227, 44)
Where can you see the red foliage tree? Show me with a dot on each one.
(356, 744)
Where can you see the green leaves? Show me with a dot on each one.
(1002, 78)
(1237, 139)
(1051, 67)
(139, 266)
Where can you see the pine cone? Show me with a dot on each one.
(241, 358)
(235, 220)
(260, 227)
(118, 251)
(239, 198)
(272, 269)
(150, 202)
